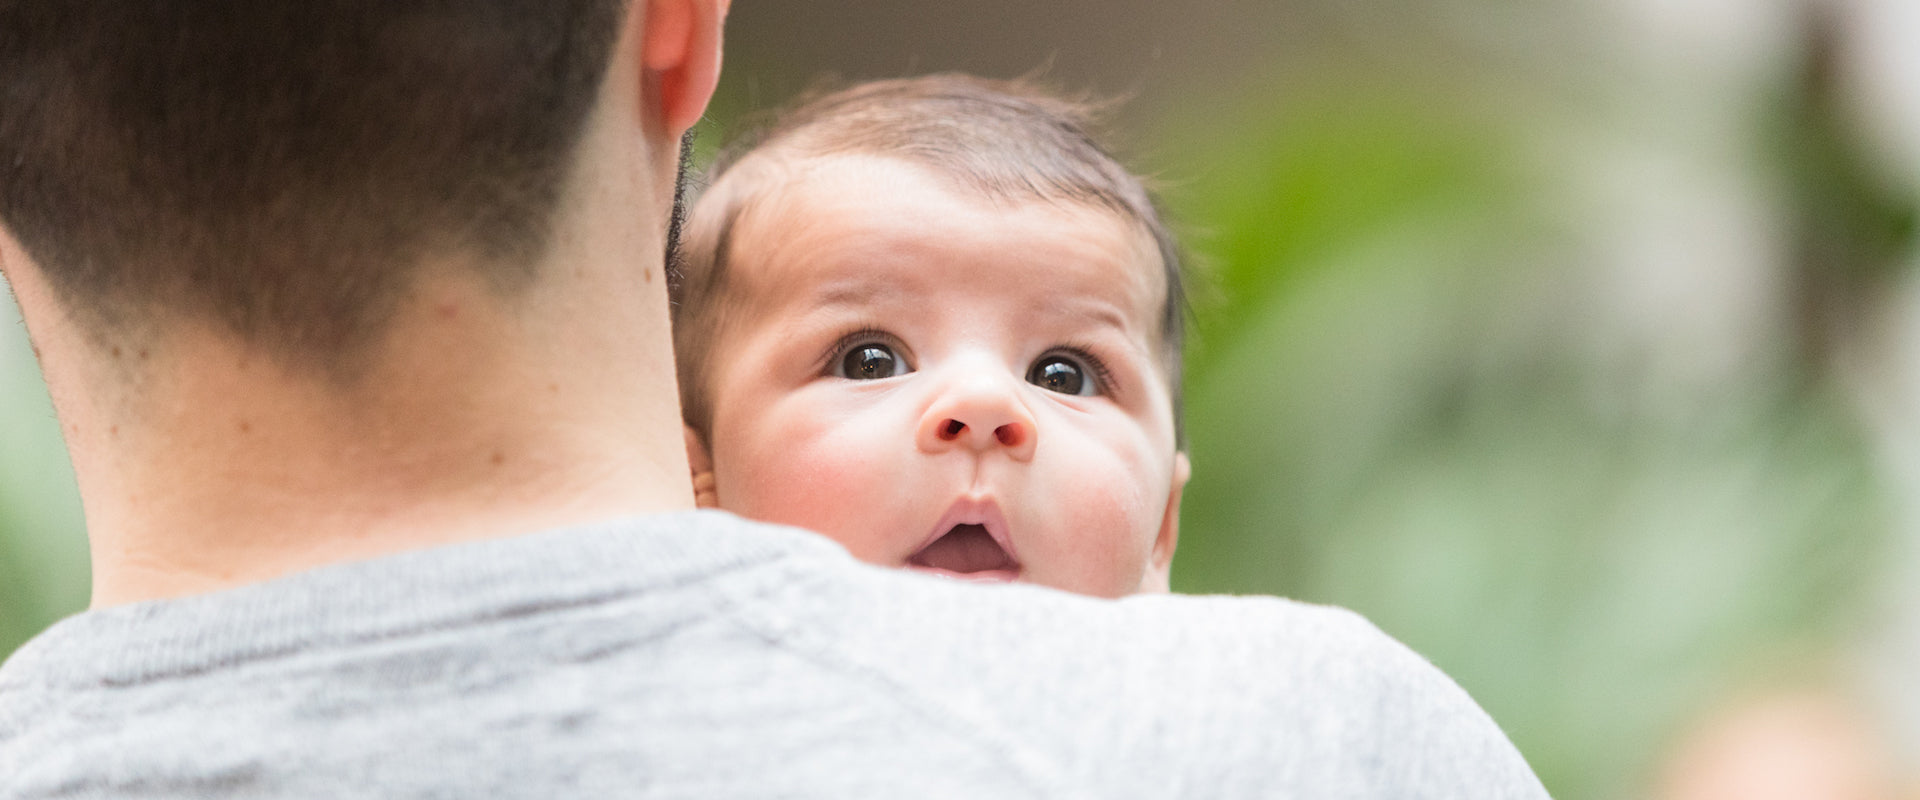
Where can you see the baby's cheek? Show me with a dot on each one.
(813, 477)
(753, 463)
(1138, 514)
(780, 480)
(1139, 497)
(1105, 519)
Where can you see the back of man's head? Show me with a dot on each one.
(283, 169)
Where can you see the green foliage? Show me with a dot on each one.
(1287, 186)
(1394, 407)
(43, 558)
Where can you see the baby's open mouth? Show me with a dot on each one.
(969, 552)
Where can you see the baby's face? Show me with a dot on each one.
(947, 383)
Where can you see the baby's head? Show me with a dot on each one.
(932, 319)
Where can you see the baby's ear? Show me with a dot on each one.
(1159, 575)
(700, 463)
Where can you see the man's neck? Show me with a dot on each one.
(479, 419)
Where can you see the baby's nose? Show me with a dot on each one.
(979, 414)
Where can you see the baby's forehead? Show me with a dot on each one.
(802, 219)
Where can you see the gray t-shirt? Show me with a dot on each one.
(696, 655)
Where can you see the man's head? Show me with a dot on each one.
(933, 319)
(284, 170)
(384, 273)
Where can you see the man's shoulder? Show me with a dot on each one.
(703, 638)
(847, 601)
(1189, 648)
(1224, 696)
(1210, 645)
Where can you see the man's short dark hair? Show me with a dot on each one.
(282, 168)
(1004, 139)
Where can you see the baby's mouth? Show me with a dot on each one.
(969, 552)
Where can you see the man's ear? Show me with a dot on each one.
(700, 463)
(680, 50)
(1160, 565)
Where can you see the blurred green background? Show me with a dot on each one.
(1575, 343)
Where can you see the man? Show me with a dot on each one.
(355, 319)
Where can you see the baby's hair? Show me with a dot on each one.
(1004, 139)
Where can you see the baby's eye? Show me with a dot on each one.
(870, 361)
(1063, 374)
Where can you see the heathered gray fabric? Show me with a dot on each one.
(695, 655)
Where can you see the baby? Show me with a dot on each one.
(933, 320)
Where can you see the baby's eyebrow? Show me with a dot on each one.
(1097, 312)
(850, 293)
(1105, 314)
